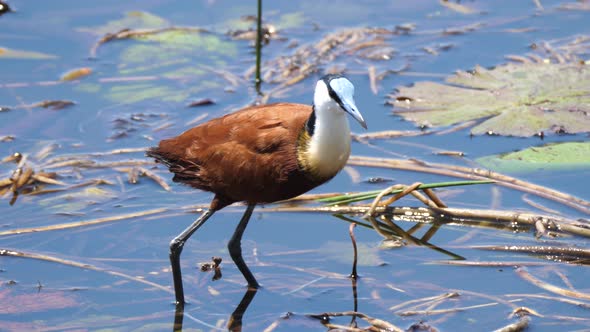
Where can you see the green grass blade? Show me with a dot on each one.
(357, 197)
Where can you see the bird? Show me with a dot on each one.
(260, 154)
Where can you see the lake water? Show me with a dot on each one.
(115, 275)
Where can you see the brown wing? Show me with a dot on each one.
(249, 155)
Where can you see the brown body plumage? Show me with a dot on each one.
(252, 155)
(260, 154)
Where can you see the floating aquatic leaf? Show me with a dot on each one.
(159, 61)
(191, 41)
(76, 74)
(131, 20)
(290, 20)
(88, 87)
(514, 99)
(20, 54)
(133, 93)
(576, 48)
(552, 156)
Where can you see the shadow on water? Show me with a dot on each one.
(235, 320)
(394, 234)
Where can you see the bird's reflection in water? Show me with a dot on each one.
(235, 320)
(353, 279)
(178, 318)
(392, 230)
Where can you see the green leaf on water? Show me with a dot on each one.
(131, 20)
(369, 195)
(290, 21)
(569, 155)
(511, 99)
(20, 54)
(169, 65)
(88, 87)
(185, 41)
(132, 93)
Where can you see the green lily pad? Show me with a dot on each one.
(20, 54)
(511, 99)
(162, 62)
(569, 155)
(291, 20)
(131, 20)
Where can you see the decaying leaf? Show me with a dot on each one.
(76, 74)
(368, 43)
(566, 155)
(511, 99)
(21, 54)
(55, 104)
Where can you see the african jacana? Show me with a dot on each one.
(260, 154)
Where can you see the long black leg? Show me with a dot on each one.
(235, 247)
(176, 246)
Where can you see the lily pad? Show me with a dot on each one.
(291, 20)
(131, 20)
(162, 62)
(569, 155)
(511, 99)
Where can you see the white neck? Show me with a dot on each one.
(329, 147)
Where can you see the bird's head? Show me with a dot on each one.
(336, 93)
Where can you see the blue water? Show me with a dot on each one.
(301, 260)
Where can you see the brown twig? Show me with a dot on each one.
(425, 299)
(444, 311)
(426, 215)
(155, 177)
(521, 325)
(475, 174)
(488, 264)
(549, 287)
(83, 223)
(21, 254)
(378, 323)
(580, 304)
